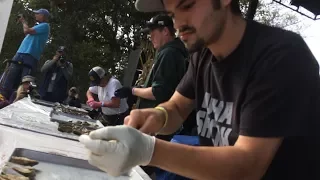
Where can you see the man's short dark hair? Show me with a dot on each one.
(171, 30)
(235, 7)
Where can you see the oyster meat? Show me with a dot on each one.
(12, 177)
(16, 169)
(23, 161)
(28, 172)
(77, 128)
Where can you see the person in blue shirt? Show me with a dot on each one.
(26, 59)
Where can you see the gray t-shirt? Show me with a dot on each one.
(51, 84)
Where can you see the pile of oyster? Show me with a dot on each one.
(71, 110)
(77, 128)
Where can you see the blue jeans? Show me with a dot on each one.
(22, 65)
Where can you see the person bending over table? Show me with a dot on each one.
(104, 85)
(257, 93)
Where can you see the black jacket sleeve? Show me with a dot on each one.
(171, 67)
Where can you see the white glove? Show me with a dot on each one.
(117, 149)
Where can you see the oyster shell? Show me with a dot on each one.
(23, 161)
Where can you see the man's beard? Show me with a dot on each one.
(197, 46)
(201, 42)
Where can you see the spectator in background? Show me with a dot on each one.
(26, 59)
(3, 102)
(57, 73)
(27, 86)
(73, 98)
(104, 85)
(169, 67)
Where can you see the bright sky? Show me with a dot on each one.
(312, 38)
(311, 32)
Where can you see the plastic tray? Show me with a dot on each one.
(44, 103)
(65, 117)
(58, 167)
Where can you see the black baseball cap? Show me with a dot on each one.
(95, 75)
(161, 20)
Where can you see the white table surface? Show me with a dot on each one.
(11, 138)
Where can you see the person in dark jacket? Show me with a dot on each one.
(73, 98)
(170, 65)
(57, 72)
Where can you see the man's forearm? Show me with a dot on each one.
(26, 29)
(229, 162)
(47, 65)
(145, 93)
(175, 117)
(110, 104)
(25, 26)
(67, 72)
(89, 95)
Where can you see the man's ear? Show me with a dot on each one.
(166, 31)
(225, 3)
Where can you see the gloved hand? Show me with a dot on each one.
(123, 92)
(89, 101)
(117, 149)
(95, 104)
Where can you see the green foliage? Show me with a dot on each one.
(14, 33)
(100, 32)
(95, 33)
(147, 61)
(273, 14)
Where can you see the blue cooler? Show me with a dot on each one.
(188, 140)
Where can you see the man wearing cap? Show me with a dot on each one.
(26, 59)
(73, 98)
(57, 73)
(257, 93)
(169, 64)
(169, 67)
(104, 85)
(27, 87)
